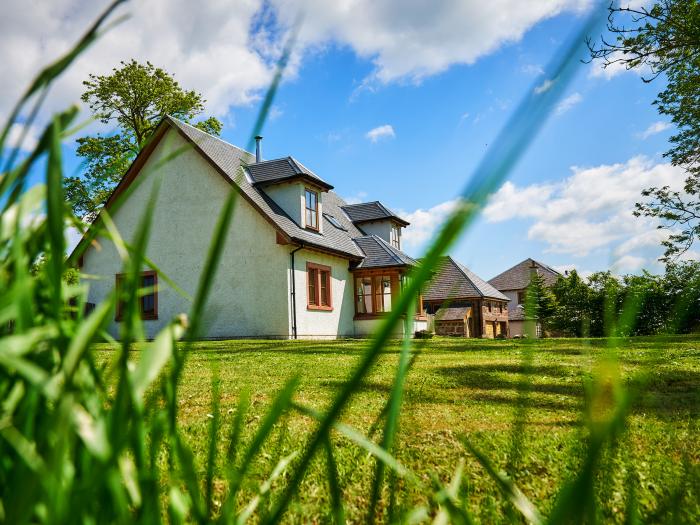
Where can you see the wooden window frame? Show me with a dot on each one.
(395, 228)
(319, 270)
(306, 224)
(394, 276)
(145, 317)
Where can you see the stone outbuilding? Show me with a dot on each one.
(454, 321)
(456, 295)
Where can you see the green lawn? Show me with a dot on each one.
(468, 388)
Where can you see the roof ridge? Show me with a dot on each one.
(466, 276)
(177, 121)
(548, 267)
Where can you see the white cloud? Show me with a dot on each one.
(275, 112)
(227, 49)
(653, 129)
(568, 103)
(628, 264)
(590, 210)
(205, 45)
(614, 67)
(424, 224)
(411, 40)
(544, 86)
(15, 135)
(360, 196)
(565, 268)
(380, 132)
(532, 69)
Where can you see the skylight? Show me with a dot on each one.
(335, 222)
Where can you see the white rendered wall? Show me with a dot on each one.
(249, 296)
(368, 327)
(322, 323)
(379, 228)
(512, 296)
(517, 328)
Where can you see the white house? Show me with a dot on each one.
(298, 260)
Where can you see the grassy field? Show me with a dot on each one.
(468, 389)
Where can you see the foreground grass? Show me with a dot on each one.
(466, 389)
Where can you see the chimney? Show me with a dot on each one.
(533, 268)
(258, 148)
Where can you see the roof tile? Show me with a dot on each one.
(371, 211)
(453, 280)
(518, 277)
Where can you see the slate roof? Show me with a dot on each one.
(229, 159)
(455, 313)
(379, 253)
(282, 170)
(455, 281)
(516, 313)
(518, 277)
(371, 211)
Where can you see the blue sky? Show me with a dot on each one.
(433, 127)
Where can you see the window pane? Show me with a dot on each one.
(386, 292)
(148, 302)
(325, 278)
(360, 293)
(311, 203)
(364, 295)
(382, 293)
(312, 276)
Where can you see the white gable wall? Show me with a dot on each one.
(291, 197)
(380, 229)
(250, 294)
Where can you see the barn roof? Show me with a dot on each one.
(518, 277)
(454, 281)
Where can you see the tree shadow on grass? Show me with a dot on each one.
(491, 377)
(667, 394)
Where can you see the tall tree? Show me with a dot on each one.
(665, 40)
(573, 296)
(604, 298)
(135, 97)
(540, 303)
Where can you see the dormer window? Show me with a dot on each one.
(311, 200)
(395, 236)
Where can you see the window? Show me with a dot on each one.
(488, 305)
(395, 236)
(147, 293)
(311, 199)
(363, 287)
(374, 294)
(318, 280)
(335, 222)
(521, 297)
(382, 293)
